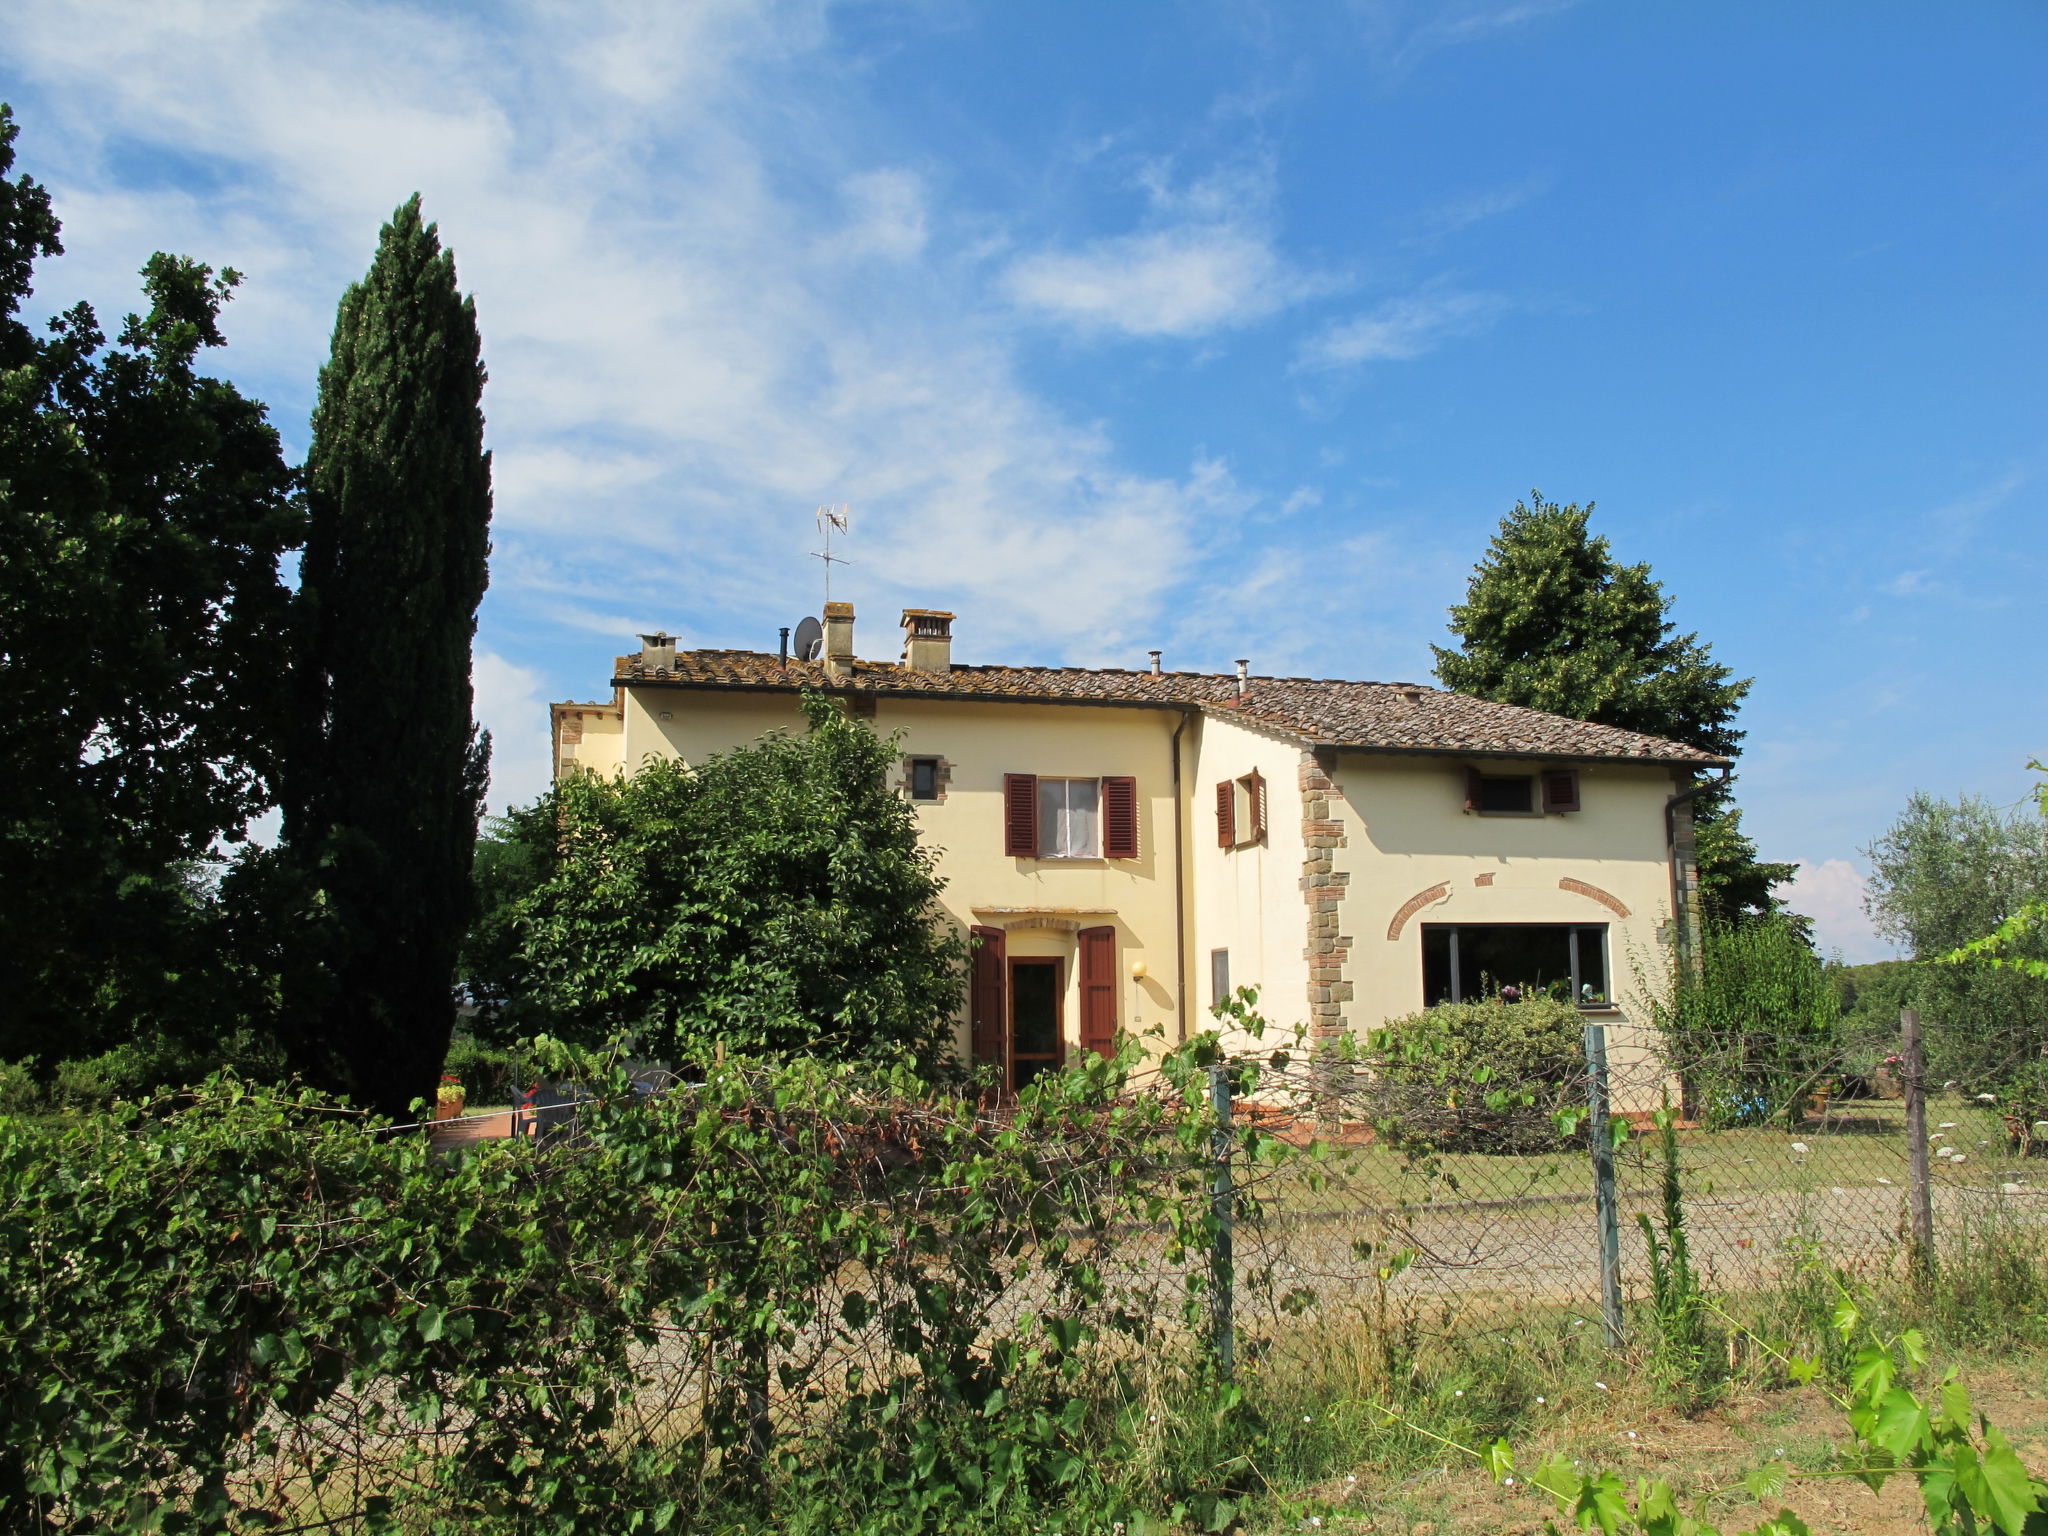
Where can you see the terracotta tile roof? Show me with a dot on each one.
(1384, 717)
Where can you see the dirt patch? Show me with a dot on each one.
(1704, 1457)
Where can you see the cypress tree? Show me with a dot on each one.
(389, 768)
(1552, 621)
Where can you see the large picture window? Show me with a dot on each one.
(1464, 962)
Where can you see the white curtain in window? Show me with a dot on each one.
(1068, 817)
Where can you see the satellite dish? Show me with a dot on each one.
(808, 641)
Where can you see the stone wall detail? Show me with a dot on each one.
(1322, 888)
(941, 778)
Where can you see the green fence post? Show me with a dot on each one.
(1222, 1205)
(1606, 1199)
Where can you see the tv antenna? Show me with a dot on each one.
(839, 517)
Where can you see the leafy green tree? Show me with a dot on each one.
(387, 776)
(1552, 621)
(1950, 872)
(143, 701)
(1756, 1027)
(775, 898)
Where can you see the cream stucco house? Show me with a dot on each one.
(1127, 846)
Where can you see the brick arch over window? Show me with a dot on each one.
(1442, 888)
(1415, 904)
(1606, 899)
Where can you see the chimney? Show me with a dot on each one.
(1244, 669)
(1155, 661)
(928, 640)
(838, 640)
(658, 653)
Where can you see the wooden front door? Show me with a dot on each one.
(1037, 988)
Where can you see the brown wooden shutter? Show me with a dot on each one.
(1226, 815)
(1255, 797)
(1472, 790)
(1098, 990)
(986, 995)
(1020, 815)
(1120, 818)
(1560, 790)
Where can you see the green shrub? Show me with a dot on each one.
(209, 1307)
(1481, 1077)
(21, 1091)
(490, 1074)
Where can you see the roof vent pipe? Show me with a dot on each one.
(1155, 662)
(784, 658)
(1244, 668)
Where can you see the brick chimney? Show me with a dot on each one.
(658, 652)
(928, 640)
(838, 640)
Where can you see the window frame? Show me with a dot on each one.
(930, 766)
(1046, 823)
(1574, 937)
(1533, 807)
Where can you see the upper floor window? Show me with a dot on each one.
(1551, 792)
(1241, 811)
(1070, 818)
(1069, 813)
(924, 778)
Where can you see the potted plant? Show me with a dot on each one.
(449, 1097)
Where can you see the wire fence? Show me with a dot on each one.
(1426, 1197)
(248, 1308)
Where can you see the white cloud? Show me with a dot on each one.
(708, 303)
(1831, 892)
(1401, 329)
(1185, 281)
(510, 705)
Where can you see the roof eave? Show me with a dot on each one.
(1379, 750)
(841, 691)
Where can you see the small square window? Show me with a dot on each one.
(1508, 795)
(924, 778)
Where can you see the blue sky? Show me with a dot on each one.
(1231, 329)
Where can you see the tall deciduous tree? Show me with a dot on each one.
(143, 703)
(387, 776)
(775, 898)
(1552, 621)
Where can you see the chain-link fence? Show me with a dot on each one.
(1474, 1198)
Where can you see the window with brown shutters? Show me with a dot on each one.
(1119, 818)
(1098, 990)
(1560, 790)
(1020, 815)
(986, 997)
(1241, 811)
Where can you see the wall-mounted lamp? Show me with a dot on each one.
(1137, 970)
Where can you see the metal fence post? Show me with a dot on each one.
(1921, 1195)
(1606, 1200)
(1222, 1205)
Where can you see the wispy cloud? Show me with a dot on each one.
(712, 293)
(1187, 281)
(1204, 259)
(1401, 329)
(1402, 33)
